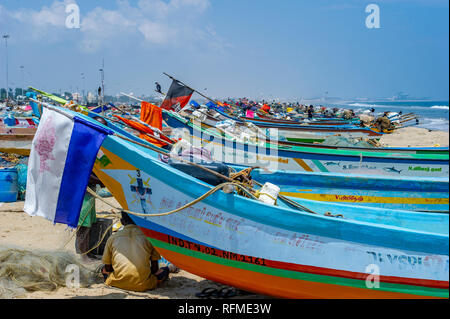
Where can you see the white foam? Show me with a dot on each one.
(416, 107)
(364, 105)
(443, 107)
(440, 124)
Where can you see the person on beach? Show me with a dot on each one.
(130, 261)
(88, 216)
(310, 112)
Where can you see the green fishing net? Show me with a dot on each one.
(23, 271)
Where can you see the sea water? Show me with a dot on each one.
(433, 115)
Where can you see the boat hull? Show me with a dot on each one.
(16, 140)
(266, 249)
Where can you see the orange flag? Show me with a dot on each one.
(151, 114)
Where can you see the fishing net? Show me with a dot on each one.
(23, 271)
(349, 142)
(9, 160)
(22, 171)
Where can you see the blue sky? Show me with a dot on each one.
(265, 48)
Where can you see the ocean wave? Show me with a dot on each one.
(443, 107)
(394, 107)
(365, 105)
(388, 106)
(440, 124)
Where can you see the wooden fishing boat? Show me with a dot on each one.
(303, 124)
(416, 194)
(352, 128)
(308, 133)
(303, 121)
(214, 116)
(295, 121)
(277, 250)
(316, 120)
(16, 140)
(410, 150)
(405, 193)
(177, 121)
(307, 159)
(326, 251)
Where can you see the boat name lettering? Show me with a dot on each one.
(215, 252)
(427, 261)
(352, 198)
(425, 169)
(273, 159)
(202, 213)
(350, 166)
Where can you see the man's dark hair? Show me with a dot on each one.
(126, 219)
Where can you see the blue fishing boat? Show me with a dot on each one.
(392, 192)
(293, 158)
(320, 250)
(277, 250)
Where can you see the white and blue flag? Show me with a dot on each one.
(63, 153)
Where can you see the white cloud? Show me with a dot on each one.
(150, 22)
(157, 32)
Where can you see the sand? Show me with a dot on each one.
(415, 137)
(19, 230)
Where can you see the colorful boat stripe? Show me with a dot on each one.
(320, 166)
(367, 199)
(303, 164)
(279, 286)
(294, 276)
(292, 270)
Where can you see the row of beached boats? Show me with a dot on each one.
(349, 222)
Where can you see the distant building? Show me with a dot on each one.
(91, 98)
(400, 97)
(77, 97)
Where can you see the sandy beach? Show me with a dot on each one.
(21, 231)
(415, 137)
